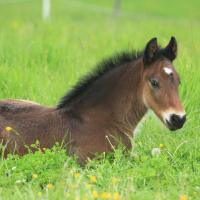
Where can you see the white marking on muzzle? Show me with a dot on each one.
(167, 114)
(168, 70)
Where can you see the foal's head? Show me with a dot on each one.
(161, 82)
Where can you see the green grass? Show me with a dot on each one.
(40, 61)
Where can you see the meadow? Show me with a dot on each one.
(41, 60)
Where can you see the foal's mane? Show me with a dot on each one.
(101, 69)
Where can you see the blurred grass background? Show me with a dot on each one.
(40, 60)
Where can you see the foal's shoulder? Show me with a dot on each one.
(15, 105)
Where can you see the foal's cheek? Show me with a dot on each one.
(155, 98)
(149, 96)
(157, 95)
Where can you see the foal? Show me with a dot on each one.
(103, 108)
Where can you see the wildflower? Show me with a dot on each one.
(15, 25)
(8, 128)
(93, 179)
(20, 181)
(39, 194)
(34, 176)
(74, 186)
(88, 186)
(49, 186)
(183, 197)
(95, 194)
(114, 180)
(105, 195)
(66, 194)
(76, 175)
(197, 188)
(13, 168)
(161, 146)
(62, 182)
(155, 152)
(116, 196)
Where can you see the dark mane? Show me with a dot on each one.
(102, 68)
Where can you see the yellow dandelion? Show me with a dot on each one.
(105, 195)
(116, 196)
(15, 24)
(77, 175)
(114, 180)
(183, 197)
(88, 186)
(93, 179)
(74, 186)
(161, 146)
(39, 194)
(66, 194)
(34, 176)
(62, 183)
(50, 186)
(95, 194)
(8, 128)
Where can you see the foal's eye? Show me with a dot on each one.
(154, 83)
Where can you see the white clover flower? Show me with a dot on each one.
(20, 181)
(155, 152)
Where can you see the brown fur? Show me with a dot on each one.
(109, 110)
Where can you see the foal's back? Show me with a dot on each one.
(28, 122)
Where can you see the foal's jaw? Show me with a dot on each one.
(174, 120)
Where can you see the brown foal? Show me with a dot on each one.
(103, 108)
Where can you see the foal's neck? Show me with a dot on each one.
(115, 99)
(128, 106)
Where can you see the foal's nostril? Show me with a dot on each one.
(183, 119)
(177, 120)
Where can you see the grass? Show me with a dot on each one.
(42, 60)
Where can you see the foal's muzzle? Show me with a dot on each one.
(176, 122)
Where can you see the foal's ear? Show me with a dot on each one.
(150, 51)
(171, 49)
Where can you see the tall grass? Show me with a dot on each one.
(42, 60)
